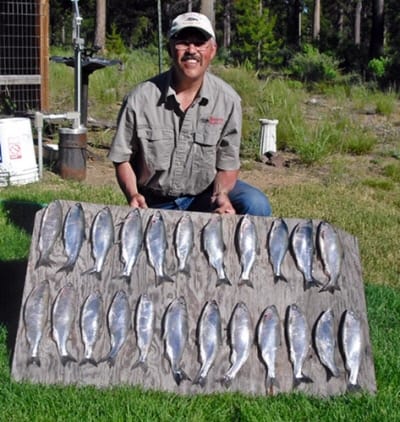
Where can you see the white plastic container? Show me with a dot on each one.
(17, 154)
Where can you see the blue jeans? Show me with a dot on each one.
(246, 199)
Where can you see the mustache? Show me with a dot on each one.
(190, 56)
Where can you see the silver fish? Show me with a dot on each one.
(156, 247)
(184, 242)
(50, 229)
(303, 249)
(102, 239)
(35, 319)
(352, 341)
(325, 341)
(175, 336)
(247, 244)
(214, 247)
(118, 319)
(91, 323)
(330, 251)
(278, 245)
(144, 327)
(299, 342)
(209, 339)
(73, 235)
(269, 341)
(131, 241)
(63, 316)
(240, 339)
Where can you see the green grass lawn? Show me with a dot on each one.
(374, 224)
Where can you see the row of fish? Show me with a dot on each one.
(175, 333)
(133, 236)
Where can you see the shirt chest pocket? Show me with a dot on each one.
(157, 146)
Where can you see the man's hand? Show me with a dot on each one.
(138, 201)
(222, 203)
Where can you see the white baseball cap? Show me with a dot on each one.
(192, 20)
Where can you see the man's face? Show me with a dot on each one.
(192, 53)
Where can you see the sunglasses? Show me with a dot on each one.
(200, 45)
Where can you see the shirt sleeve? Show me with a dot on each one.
(229, 146)
(122, 146)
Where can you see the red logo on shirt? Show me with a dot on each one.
(215, 120)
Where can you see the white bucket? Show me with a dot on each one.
(17, 154)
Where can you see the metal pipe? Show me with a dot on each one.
(78, 47)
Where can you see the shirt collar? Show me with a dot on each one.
(204, 94)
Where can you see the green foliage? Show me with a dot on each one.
(255, 39)
(114, 41)
(313, 66)
(378, 66)
(141, 31)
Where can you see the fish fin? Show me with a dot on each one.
(67, 358)
(246, 282)
(121, 276)
(88, 360)
(223, 281)
(160, 279)
(180, 375)
(140, 363)
(33, 360)
(278, 277)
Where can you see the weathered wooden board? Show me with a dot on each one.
(197, 290)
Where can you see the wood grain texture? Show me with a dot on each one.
(197, 288)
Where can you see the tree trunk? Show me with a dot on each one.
(227, 24)
(377, 30)
(317, 20)
(208, 9)
(357, 24)
(100, 32)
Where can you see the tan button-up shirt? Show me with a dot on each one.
(173, 152)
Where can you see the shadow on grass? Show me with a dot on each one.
(21, 213)
(12, 287)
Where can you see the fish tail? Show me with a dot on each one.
(330, 287)
(67, 358)
(88, 360)
(200, 380)
(247, 282)
(33, 360)
(224, 280)
(353, 388)
(92, 271)
(303, 379)
(226, 381)
(160, 279)
(271, 382)
(44, 261)
(68, 267)
(278, 277)
(140, 363)
(311, 283)
(180, 375)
